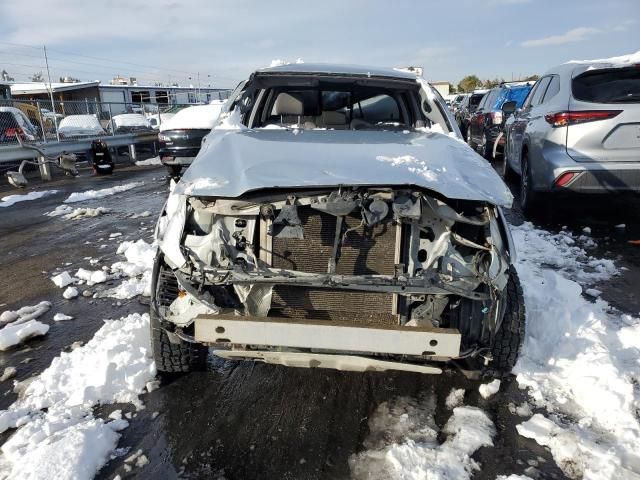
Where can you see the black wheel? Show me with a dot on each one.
(469, 141)
(530, 200)
(507, 172)
(509, 337)
(178, 357)
(171, 353)
(486, 148)
(174, 170)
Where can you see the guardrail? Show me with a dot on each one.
(16, 153)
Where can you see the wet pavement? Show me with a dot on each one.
(244, 420)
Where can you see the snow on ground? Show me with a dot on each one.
(579, 361)
(13, 199)
(92, 276)
(57, 435)
(455, 398)
(149, 161)
(139, 257)
(71, 213)
(488, 389)
(403, 442)
(105, 192)
(17, 332)
(24, 314)
(561, 252)
(62, 279)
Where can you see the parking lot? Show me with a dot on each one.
(250, 420)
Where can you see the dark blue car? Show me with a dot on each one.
(488, 120)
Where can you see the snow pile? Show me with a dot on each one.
(455, 398)
(16, 333)
(92, 277)
(579, 361)
(138, 265)
(413, 164)
(403, 442)
(201, 117)
(105, 192)
(61, 317)
(489, 389)
(24, 314)
(561, 252)
(279, 62)
(70, 292)
(71, 213)
(57, 436)
(63, 279)
(13, 199)
(149, 161)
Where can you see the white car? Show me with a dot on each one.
(334, 218)
(73, 126)
(129, 123)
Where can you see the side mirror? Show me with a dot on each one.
(508, 108)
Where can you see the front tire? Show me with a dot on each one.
(174, 170)
(180, 357)
(510, 336)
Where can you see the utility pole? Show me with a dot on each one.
(53, 105)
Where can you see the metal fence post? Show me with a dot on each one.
(45, 168)
(132, 153)
(113, 128)
(44, 132)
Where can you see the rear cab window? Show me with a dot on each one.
(614, 85)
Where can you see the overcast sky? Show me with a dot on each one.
(167, 40)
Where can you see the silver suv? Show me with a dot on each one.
(578, 131)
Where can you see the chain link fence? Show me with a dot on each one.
(42, 121)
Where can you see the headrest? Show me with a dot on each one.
(287, 104)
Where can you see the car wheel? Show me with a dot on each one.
(175, 355)
(510, 335)
(507, 172)
(486, 148)
(171, 353)
(469, 141)
(529, 199)
(174, 170)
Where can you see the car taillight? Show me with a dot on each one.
(564, 179)
(563, 119)
(496, 118)
(13, 132)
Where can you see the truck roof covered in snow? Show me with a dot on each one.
(337, 69)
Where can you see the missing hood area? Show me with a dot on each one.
(380, 256)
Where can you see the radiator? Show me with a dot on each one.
(366, 250)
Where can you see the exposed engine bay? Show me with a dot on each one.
(376, 257)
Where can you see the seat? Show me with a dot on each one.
(332, 119)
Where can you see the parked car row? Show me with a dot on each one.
(487, 120)
(578, 131)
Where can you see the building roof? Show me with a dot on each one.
(439, 83)
(42, 87)
(160, 87)
(338, 69)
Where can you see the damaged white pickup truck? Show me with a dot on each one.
(333, 218)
